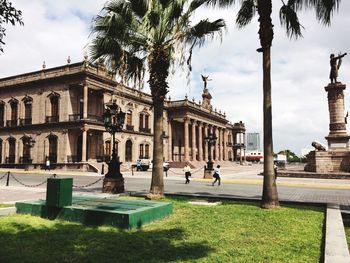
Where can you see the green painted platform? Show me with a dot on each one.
(118, 212)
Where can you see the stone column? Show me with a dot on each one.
(200, 142)
(225, 144)
(186, 139)
(84, 145)
(86, 96)
(220, 143)
(217, 144)
(338, 137)
(194, 140)
(170, 142)
(206, 143)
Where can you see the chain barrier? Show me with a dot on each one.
(2, 177)
(193, 172)
(29, 185)
(90, 184)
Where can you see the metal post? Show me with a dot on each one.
(8, 178)
(132, 170)
(103, 169)
(166, 173)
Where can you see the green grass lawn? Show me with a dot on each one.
(6, 205)
(231, 232)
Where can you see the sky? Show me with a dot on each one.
(54, 30)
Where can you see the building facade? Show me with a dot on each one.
(253, 141)
(57, 113)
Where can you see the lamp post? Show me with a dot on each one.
(113, 119)
(210, 139)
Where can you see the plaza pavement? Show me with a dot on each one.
(241, 182)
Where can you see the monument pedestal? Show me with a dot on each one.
(113, 185)
(328, 161)
(208, 174)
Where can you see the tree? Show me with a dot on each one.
(8, 14)
(135, 35)
(288, 17)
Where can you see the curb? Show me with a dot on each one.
(336, 247)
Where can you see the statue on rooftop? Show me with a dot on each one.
(335, 63)
(205, 80)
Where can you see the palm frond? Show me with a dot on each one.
(139, 7)
(246, 13)
(290, 21)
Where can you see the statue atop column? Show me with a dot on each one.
(206, 95)
(335, 63)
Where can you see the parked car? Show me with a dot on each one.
(166, 166)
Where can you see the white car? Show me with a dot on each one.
(166, 166)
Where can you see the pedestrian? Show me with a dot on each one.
(187, 170)
(216, 175)
(47, 164)
(138, 165)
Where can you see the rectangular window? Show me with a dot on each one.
(147, 151)
(141, 121)
(146, 121)
(141, 151)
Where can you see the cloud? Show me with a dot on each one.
(54, 30)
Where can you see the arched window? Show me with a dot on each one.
(14, 113)
(53, 143)
(128, 151)
(12, 150)
(28, 105)
(147, 156)
(129, 125)
(2, 114)
(141, 151)
(144, 123)
(54, 101)
(26, 154)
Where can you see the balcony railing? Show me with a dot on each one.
(72, 158)
(52, 158)
(130, 127)
(12, 123)
(10, 159)
(95, 118)
(25, 159)
(103, 158)
(51, 119)
(2, 123)
(229, 144)
(75, 117)
(23, 122)
(145, 130)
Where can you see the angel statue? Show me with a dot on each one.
(205, 79)
(335, 65)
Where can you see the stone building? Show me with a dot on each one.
(56, 113)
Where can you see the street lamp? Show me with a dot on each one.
(113, 119)
(210, 139)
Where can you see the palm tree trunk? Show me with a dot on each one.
(157, 184)
(269, 195)
(159, 63)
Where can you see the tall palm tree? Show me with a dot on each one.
(138, 35)
(288, 17)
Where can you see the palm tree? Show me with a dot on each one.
(288, 17)
(137, 35)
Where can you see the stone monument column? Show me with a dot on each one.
(338, 137)
(200, 142)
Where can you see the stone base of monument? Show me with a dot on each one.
(208, 174)
(113, 185)
(328, 161)
(122, 213)
(89, 210)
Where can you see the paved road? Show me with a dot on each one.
(245, 185)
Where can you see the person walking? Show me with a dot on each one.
(47, 164)
(187, 170)
(217, 175)
(138, 165)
